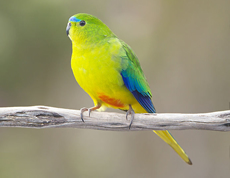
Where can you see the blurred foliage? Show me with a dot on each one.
(183, 47)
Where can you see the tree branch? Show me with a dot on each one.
(50, 117)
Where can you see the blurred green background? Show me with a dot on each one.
(184, 49)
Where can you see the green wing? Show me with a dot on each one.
(134, 78)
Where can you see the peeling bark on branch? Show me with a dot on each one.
(50, 117)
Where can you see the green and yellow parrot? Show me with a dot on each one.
(109, 71)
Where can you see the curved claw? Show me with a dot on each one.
(88, 109)
(82, 111)
(130, 111)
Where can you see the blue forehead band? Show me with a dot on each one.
(74, 19)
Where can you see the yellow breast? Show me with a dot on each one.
(97, 70)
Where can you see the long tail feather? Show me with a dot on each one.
(168, 138)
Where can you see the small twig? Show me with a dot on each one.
(50, 117)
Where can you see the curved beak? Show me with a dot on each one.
(67, 28)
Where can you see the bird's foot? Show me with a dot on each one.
(130, 111)
(82, 110)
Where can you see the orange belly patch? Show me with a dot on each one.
(111, 101)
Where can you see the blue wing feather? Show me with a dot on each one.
(143, 98)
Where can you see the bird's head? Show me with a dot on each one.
(84, 28)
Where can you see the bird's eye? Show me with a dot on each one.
(82, 23)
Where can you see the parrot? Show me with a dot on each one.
(108, 70)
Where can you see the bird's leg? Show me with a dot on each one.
(94, 108)
(130, 111)
(89, 109)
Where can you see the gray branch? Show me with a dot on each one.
(50, 117)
